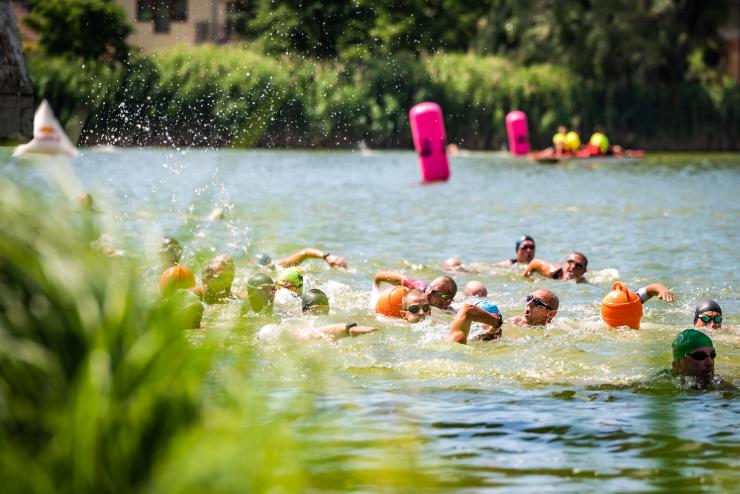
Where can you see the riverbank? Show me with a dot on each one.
(216, 96)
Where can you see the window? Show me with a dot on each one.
(144, 11)
(162, 12)
(179, 10)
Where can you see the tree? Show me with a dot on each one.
(92, 29)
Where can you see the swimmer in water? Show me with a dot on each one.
(315, 302)
(440, 291)
(693, 362)
(170, 252)
(483, 312)
(296, 259)
(708, 315)
(415, 306)
(542, 306)
(475, 289)
(261, 293)
(292, 280)
(573, 268)
(655, 290)
(216, 281)
(524, 249)
(453, 264)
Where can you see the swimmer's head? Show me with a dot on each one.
(415, 306)
(263, 259)
(291, 279)
(315, 301)
(575, 266)
(693, 356)
(542, 306)
(487, 306)
(524, 249)
(219, 275)
(170, 251)
(562, 129)
(261, 292)
(441, 291)
(475, 289)
(708, 314)
(452, 264)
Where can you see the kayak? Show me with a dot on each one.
(549, 157)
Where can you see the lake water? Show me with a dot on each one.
(562, 409)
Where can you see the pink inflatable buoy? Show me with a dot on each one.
(516, 128)
(428, 131)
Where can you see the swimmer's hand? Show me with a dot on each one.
(666, 295)
(660, 291)
(336, 261)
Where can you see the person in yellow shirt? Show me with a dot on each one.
(598, 144)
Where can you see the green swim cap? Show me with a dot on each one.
(293, 275)
(315, 298)
(687, 341)
(258, 280)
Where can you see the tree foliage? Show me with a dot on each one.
(621, 40)
(91, 29)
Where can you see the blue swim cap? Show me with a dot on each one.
(487, 306)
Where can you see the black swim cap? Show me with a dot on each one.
(258, 280)
(314, 298)
(706, 306)
(263, 259)
(519, 242)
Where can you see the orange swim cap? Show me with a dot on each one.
(621, 307)
(390, 303)
(175, 277)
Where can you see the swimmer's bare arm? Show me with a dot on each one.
(656, 289)
(303, 254)
(387, 277)
(340, 330)
(538, 266)
(460, 325)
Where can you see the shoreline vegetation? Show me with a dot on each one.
(237, 97)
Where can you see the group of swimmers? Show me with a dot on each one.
(412, 300)
(566, 142)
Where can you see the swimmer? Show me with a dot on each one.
(216, 281)
(573, 268)
(440, 291)
(558, 140)
(261, 293)
(292, 280)
(655, 290)
(415, 306)
(453, 264)
(708, 314)
(296, 259)
(693, 361)
(475, 289)
(175, 278)
(542, 306)
(483, 312)
(315, 302)
(524, 249)
(170, 252)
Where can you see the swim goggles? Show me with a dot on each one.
(538, 302)
(708, 319)
(578, 265)
(699, 356)
(414, 309)
(526, 247)
(442, 296)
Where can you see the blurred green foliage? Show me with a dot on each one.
(91, 29)
(230, 96)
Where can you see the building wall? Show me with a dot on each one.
(181, 33)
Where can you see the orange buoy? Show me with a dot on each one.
(621, 307)
(390, 302)
(174, 278)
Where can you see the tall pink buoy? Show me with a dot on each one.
(516, 128)
(428, 131)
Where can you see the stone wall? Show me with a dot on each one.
(16, 91)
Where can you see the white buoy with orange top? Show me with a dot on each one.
(48, 136)
(428, 133)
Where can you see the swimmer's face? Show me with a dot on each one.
(525, 252)
(710, 322)
(698, 364)
(574, 267)
(440, 293)
(416, 307)
(535, 312)
(289, 285)
(218, 278)
(261, 297)
(170, 254)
